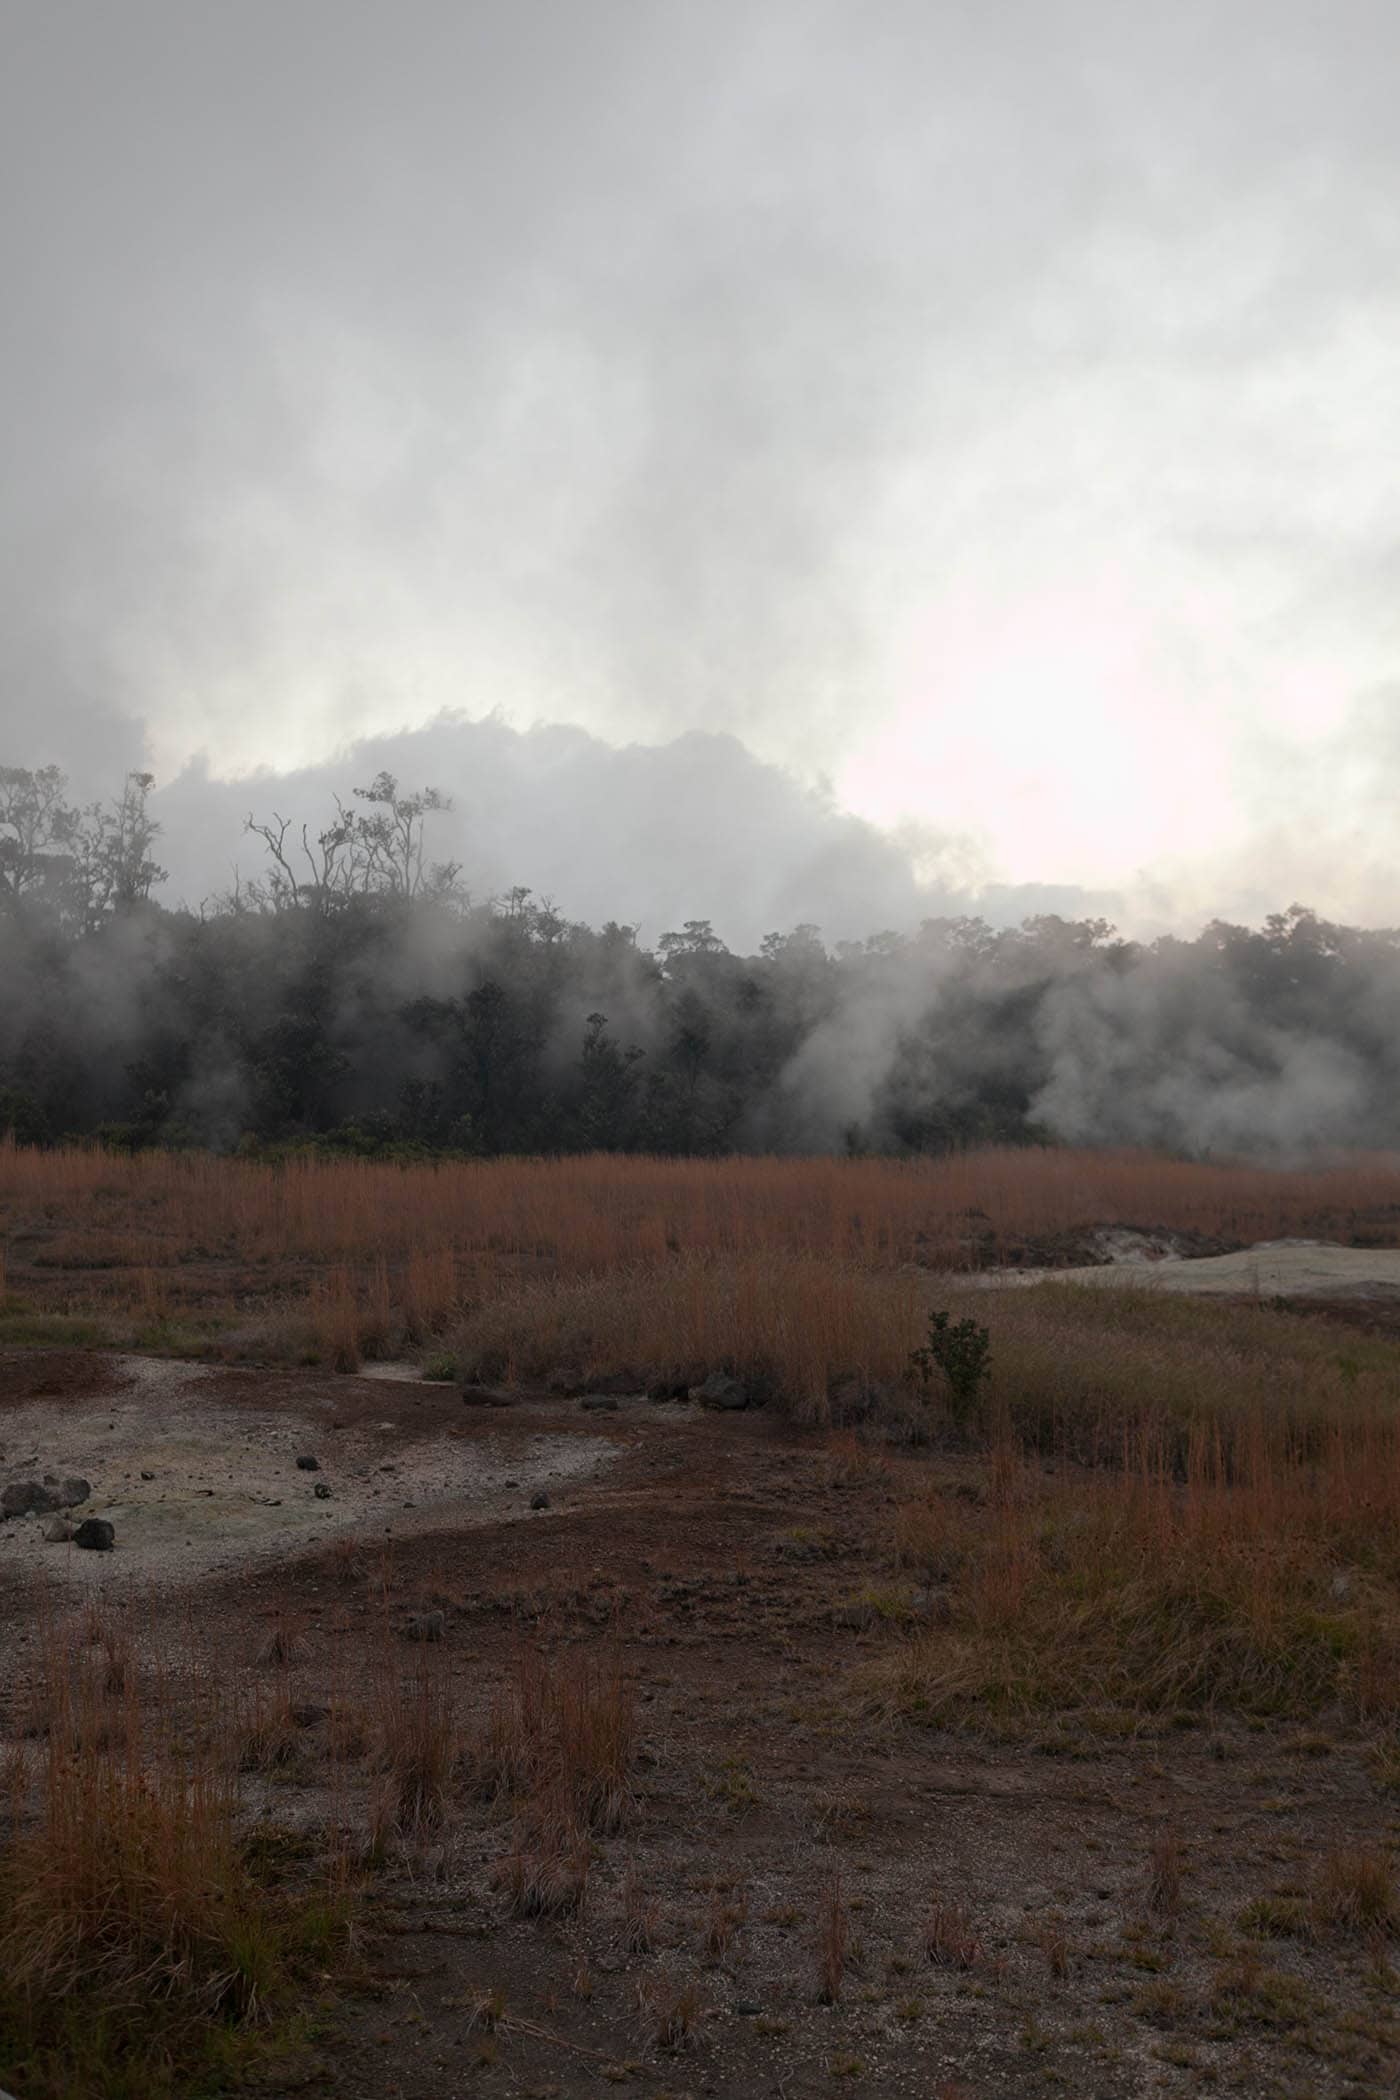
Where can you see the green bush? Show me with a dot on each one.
(962, 1351)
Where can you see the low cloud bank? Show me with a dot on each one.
(649, 833)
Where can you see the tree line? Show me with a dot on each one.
(354, 996)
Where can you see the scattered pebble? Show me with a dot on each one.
(322, 1492)
(539, 1500)
(96, 1534)
(307, 1464)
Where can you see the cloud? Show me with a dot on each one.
(650, 834)
(977, 407)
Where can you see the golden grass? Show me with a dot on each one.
(563, 1730)
(1261, 1581)
(135, 1938)
(603, 1211)
(832, 1343)
(804, 1271)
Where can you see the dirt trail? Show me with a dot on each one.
(196, 1468)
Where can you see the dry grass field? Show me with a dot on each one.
(855, 1742)
(338, 1260)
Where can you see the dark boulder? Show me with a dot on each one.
(720, 1390)
(28, 1498)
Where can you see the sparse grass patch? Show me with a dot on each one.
(1175, 1584)
(833, 1937)
(950, 1939)
(564, 1727)
(1166, 1864)
(139, 1936)
(419, 1747)
(1276, 1917)
(641, 1915)
(545, 1872)
(1355, 1892)
(1246, 1993)
(22, 1327)
(672, 2012)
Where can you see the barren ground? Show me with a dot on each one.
(1272, 1269)
(722, 1560)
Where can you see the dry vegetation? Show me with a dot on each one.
(1171, 1522)
(334, 1261)
(142, 1937)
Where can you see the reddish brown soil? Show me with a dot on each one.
(719, 1561)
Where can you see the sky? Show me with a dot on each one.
(969, 432)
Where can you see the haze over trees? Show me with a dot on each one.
(355, 995)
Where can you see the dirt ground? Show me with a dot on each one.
(726, 1562)
(1273, 1269)
(196, 1467)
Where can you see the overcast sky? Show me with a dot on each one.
(988, 414)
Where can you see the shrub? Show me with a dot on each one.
(962, 1351)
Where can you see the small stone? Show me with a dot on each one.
(539, 1500)
(307, 1464)
(58, 1531)
(598, 1404)
(96, 1534)
(148, 1476)
(321, 1491)
(426, 1625)
(747, 2009)
(73, 1491)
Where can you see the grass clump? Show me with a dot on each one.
(562, 1730)
(1355, 1892)
(1132, 1593)
(141, 1948)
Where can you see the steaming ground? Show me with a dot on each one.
(1273, 1269)
(196, 1469)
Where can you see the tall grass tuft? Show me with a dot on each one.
(133, 1931)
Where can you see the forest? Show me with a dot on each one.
(355, 997)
